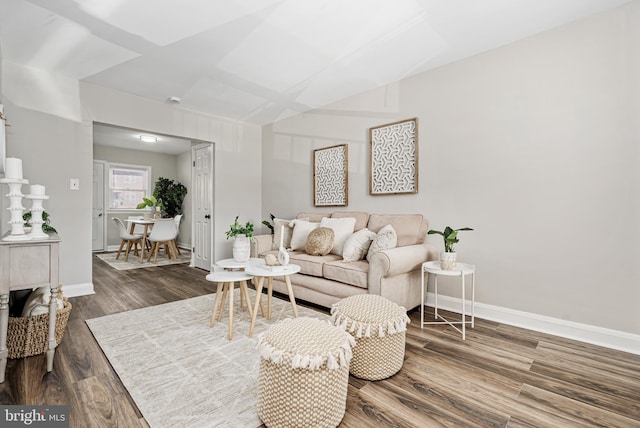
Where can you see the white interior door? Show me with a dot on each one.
(97, 215)
(202, 205)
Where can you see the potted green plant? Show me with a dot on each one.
(152, 202)
(46, 226)
(241, 236)
(450, 236)
(171, 193)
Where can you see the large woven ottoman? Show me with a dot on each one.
(379, 327)
(304, 372)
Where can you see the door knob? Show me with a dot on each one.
(100, 215)
(207, 216)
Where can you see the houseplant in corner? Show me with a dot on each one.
(241, 236)
(448, 256)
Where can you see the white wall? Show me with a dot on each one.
(55, 145)
(535, 145)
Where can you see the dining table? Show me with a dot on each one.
(146, 223)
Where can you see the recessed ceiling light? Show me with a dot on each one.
(148, 138)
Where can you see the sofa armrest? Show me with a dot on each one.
(260, 244)
(398, 260)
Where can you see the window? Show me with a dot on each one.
(128, 184)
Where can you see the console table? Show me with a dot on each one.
(26, 265)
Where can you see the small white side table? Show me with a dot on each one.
(226, 282)
(260, 272)
(460, 270)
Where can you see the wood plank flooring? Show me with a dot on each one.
(501, 376)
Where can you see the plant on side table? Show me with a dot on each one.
(46, 226)
(241, 236)
(450, 236)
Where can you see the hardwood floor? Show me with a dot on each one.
(500, 376)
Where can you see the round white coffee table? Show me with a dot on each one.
(260, 272)
(231, 264)
(461, 270)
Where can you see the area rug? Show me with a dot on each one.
(180, 372)
(134, 262)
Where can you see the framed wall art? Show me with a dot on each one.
(330, 176)
(394, 158)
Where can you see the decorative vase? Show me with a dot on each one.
(283, 256)
(241, 248)
(447, 260)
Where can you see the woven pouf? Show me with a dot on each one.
(304, 371)
(379, 327)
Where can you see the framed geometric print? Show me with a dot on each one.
(394, 158)
(330, 177)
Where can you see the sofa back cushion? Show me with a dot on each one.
(410, 228)
(362, 218)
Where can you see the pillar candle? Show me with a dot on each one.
(37, 189)
(13, 168)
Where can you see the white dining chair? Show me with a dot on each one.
(127, 238)
(138, 229)
(164, 232)
(177, 219)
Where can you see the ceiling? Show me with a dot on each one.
(124, 138)
(260, 61)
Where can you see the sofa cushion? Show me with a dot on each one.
(342, 228)
(384, 240)
(352, 273)
(362, 218)
(410, 228)
(311, 265)
(301, 230)
(315, 217)
(356, 246)
(320, 241)
(281, 227)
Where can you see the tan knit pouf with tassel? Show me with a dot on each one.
(379, 327)
(304, 373)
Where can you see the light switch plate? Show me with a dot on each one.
(74, 184)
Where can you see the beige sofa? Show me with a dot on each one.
(392, 273)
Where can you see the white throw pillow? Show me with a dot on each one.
(342, 229)
(384, 240)
(281, 226)
(301, 230)
(356, 246)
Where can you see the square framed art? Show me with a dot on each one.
(330, 176)
(394, 158)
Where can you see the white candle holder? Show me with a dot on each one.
(36, 216)
(15, 208)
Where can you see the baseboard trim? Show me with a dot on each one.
(609, 338)
(75, 290)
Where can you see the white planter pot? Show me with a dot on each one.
(447, 260)
(241, 249)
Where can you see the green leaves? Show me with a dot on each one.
(450, 237)
(237, 229)
(148, 202)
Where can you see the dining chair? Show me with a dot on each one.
(177, 219)
(164, 232)
(127, 238)
(138, 229)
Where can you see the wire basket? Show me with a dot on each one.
(27, 336)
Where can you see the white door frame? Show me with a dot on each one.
(194, 148)
(104, 204)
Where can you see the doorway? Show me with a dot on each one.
(202, 156)
(167, 157)
(97, 212)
